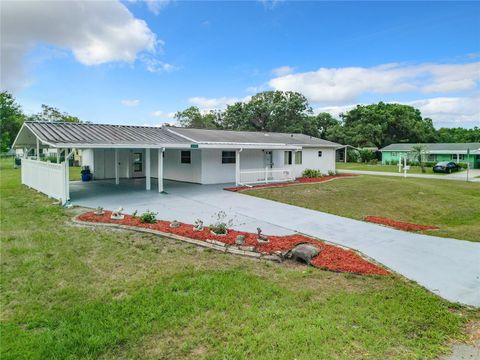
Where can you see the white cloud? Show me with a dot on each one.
(282, 70)
(332, 86)
(155, 6)
(163, 114)
(335, 111)
(450, 111)
(96, 32)
(131, 103)
(270, 4)
(215, 103)
(154, 65)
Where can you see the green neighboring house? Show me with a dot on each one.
(456, 152)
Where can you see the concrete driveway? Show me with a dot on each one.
(447, 267)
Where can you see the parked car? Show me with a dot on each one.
(446, 167)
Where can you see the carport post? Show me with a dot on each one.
(345, 156)
(38, 150)
(147, 169)
(160, 170)
(237, 166)
(117, 177)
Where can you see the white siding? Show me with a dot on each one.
(311, 160)
(173, 169)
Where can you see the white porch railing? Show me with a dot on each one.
(265, 176)
(48, 178)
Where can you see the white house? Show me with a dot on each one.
(181, 154)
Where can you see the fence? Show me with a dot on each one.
(265, 176)
(48, 178)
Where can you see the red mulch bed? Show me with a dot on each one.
(400, 225)
(296, 182)
(331, 257)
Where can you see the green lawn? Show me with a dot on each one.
(74, 173)
(454, 206)
(382, 168)
(75, 292)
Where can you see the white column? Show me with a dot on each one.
(147, 170)
(237, 167)
(58, 156)
(160, 170)
(38, 150)
(458, 158)
(345, 158)
(117, 175)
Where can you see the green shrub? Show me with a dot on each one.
(332, 173)
(463, 165)
(149, 217)
(373, 162)
(221, 225)
(311, 173)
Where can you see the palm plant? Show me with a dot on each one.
(418, 154)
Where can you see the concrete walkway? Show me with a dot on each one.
(459, 176)
(447, 267)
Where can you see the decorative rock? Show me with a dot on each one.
(99, 211)
(303, 252)
(262, 239)
(174, 224)
(240, 240)
(117, 214)
(198, 225)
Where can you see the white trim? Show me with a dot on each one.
(148, 180)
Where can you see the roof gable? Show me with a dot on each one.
(447, 147)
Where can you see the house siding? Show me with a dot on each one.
(474, 160)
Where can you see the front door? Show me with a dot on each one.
(268, 159)
(138, 164)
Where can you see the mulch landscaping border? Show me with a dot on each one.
(298, 181)
(399, 225)
(331, 257)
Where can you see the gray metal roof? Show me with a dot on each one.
(250, 137)
(448, 147)
(100, 134)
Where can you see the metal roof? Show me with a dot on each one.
(437, 147)
(100, 134)
(84, 135)
(250, 137)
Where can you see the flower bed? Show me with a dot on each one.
(297, 181)
(400, 225)
(331, 257)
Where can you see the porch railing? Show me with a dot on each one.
(265, 176)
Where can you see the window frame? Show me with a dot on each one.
(230, 158)
(184, 158)
(320, 153)
(287, 157)
(298, 157)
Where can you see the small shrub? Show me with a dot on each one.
(373, 162)
(332, 173)
(149, 217)
(135, 213)
(311, 173)
(221, 225)
(463, 165)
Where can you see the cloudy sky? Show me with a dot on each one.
(138, 62)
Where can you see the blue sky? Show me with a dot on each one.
(135, 62)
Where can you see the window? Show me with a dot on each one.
(319, 154)
(394, 154)
(298, 158)
(137, 162)
(288, 158)
(186, 157)
(460, 157)
(431, 157)
(228, 157)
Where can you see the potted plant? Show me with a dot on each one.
(86, 173)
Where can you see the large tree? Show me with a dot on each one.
(382, 124)
(11, 120)
(278, 111)
(451, 135)
(194, 118)
(52, 114)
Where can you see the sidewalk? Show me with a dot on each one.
(461, 176)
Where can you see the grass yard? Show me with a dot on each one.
(383, 168)
(82, 293)
(454, 206)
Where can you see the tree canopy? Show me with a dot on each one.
(12, 118)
